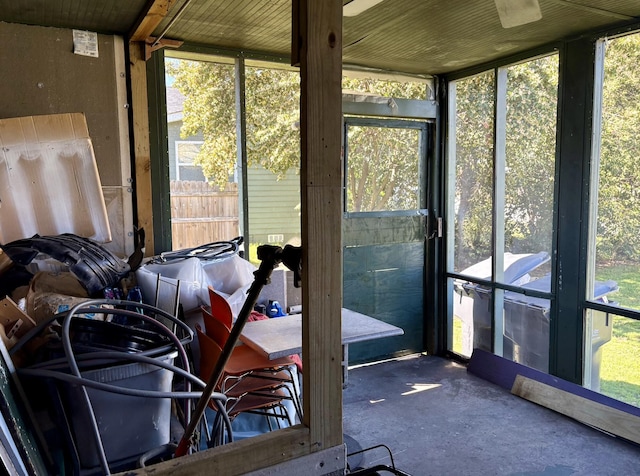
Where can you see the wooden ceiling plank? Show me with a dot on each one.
(154, 12)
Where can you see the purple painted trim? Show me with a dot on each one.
(503, 372)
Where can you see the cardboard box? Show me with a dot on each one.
(13, 322)
(49, 182)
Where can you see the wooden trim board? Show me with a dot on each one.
(236, 458)
(597, 415)
(142, 158)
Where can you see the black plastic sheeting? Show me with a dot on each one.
(95, 267)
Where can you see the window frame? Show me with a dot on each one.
(390, 123)
(177, 150)
(495, 284)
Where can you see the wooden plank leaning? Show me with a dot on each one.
(589, 412)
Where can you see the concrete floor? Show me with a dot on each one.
(438, 419)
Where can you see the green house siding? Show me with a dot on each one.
(273, 206)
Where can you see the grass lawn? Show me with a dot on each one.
(620, 368)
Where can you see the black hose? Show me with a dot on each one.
(215, 251)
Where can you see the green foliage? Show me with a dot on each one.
(273, 119)
(383, 167)
(530, 154)
(474, 168)
(209, 108)
(272, 116)
(389, 89)
(619, 188)
(531, 105)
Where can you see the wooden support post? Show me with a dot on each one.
(142, 156)
(320, 29)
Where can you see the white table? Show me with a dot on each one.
(281, 336)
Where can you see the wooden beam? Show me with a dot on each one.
(152, 45)
(150, 17)
(503, 372)
(586, 411)
(320, 29)
(142, 156)
(321, 172)
(237, 458)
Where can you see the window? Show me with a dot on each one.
(471, 159)
(612, 322)
(501, 159)
(383, 162)
(186, 152)
(201, 130)
(273, 155)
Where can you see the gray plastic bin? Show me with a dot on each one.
(526, 325)
(129, 426)
(473, 304)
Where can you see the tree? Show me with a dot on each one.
(474, 169)
(382, 169)
(272, 116)
(531, 103)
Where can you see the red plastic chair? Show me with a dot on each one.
(221, 311)
(245, 362)
(244, 393)
(220, 308)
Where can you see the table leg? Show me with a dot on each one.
(345, 364)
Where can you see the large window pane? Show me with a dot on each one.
(504, 177)
(530, 147)
(472, 195)
(273, 156)
(617, 241)
(383, 166)
(612, 342)
(474, 169)
(201, 124)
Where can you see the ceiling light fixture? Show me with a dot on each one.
(356, 7)
(518, 12)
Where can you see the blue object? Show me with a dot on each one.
(134, 295)
(275, 310)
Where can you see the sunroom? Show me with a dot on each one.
(465, 172)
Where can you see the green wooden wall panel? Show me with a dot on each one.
(386, 281)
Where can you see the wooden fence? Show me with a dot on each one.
(202, 213)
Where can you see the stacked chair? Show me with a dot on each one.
(251, 382)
